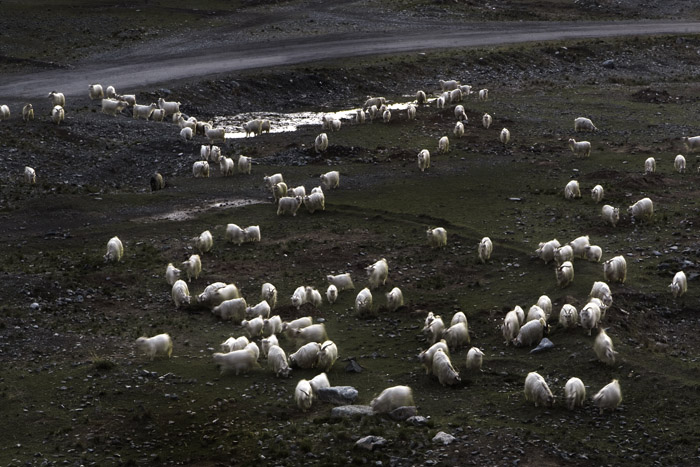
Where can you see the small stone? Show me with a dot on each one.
(353, 367)
(403, 413)
(370, 442)
(417, 420)
(443, 438)
(545, 344)
(338, 395)
(609, 63)
(349, 411)
(34, 306)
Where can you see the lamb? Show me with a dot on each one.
(590, 316)
(386, 116)
(341, 281)
(572, 190)
(169, 107)
(456, 96)
(609, 397)
(186, 134)
(303, 395)
(584, 124)
(679, 163)
(238, 361)
(426, 356)
(510, 327)
(531, 333)
(373, 111)
(315, 202)
(204, 242)
(244, 164)
(421, 98)
(27, 113)
(112, 106)
(226, 166)
(332, 294)
(128, 98)
(565, 274)
(466, 89)
(460, 114)
(312, 333)
(321, 143)
(57, 98)
(610, 214)
(691, 144)
(217, 293)
(4, 112)
(157, 182)
(288, 205)
(110, 92)
(296, 191)
(537, 391)
(679, 285)
(601, 291)
(394, 299)
(327, 355)
(378, 101)
(535, 313)
(485, 249)
(435, 329)
(215, 153)
(158, 115)
(456, 336)
(504, 137)
(574, 393)
(252, 126)
(234, 234)
(580, 148)
(649, 166)
(603, 348)
(440, 102)
(597, 193)
(288, 328)
(377, 273)
(545, 303)
(443, 145)
(411, 112)
(299, 297)
(306, 356)
(161, 344)
(279, 190)
(392, 398)
(443, 369)
(437, 237)
(268, 293)
(568, 316)
(215, 134)
(251, 234)
(277, 361)
(330, 180)
(475, 359)
(313, 296)
(360, 116)
(424, 160)
(459, 129)
(458, 317)
(546, 250)
(58, 115)
(260, 309)
(180, 293)
(563, 253)
(144, 111)
(234, 343)
(449, 85)
(192, 267)
(643, 209)
(486, 121)
(363, 301)
(115, 250)
(579, 245)
(232, 309)
(253, 326)
(172, 274)
(267, 344)
(484, 95)
(593, 253)
(615, 269)
(29, 176)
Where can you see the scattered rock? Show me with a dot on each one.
(353, 367)
(370, 442)
(338, 395)
(348, 411)
(545, 344)
(34, 306)
(610, 63)
(443, 438)
(402, 413)
(417, 420)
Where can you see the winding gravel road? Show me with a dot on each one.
(162, 62)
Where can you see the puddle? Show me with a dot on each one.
(189, 213)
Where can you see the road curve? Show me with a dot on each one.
(151, 65)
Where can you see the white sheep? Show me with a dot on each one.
(486, 121)
(440, 102)
(327, 355)
(296, 191)
(394, 299)
(303, 395)
(313, 296)
(456, 96)
(572, 190)
(466, 89)
(341, 281)
(110, 92)
(597, 193)
(691, 144)
(593, 253)
(180, 293)
(590, 316)
(238, 361)
(172, 274)
(519, 313)
(679, 163)
(58, 114)
(510, 327)
(234, 234)
(204, 242)
(373, 112)
(29, 176)
(330, 180)
(312, 333)
(584, 124)
(609, 397)
(252, 126)
(568, 316)
(565, 274)
(579, 245)
(277, 361)
(421, 98)
(456, 336)
(265, 126)
(144, 111)
(279, 190)
(458, 317)
(260, 309)
(306, 356)
(610, 214)
(215, 134)
(4, 112)
(253, 326)
(459, 129)
(251, 234)
(320, 381)
(115, 250)
(460, 114)
(443, 369)
(268, 292)
(234, 343)
(27, 112)
(360, 116)
(649, 166)
(643, 209)
(580, 148)
(574, 393)
(128, 98)
(603, 348)
(483, 94)
(535, 313)
(443, 145)
(378, 273)
(186, 134)
(530, 333)
(57, 98)
(332, 294)
(545, 303)
(449, 85)
(244, 164)
(158, 115)
(232, 309)
(112, 106)
(253, 347)
(392, 398)
(157, 182)
(299, 297)
(537, 391)
(161, 344)
(411, 112)
(267, 343)
(289, 205)
(192, 267)
(386, 116)
(563, 253)
(435, 329)
(426, 356)
(504, 137)
(437, 237)
(377, 101)
(475, 359)
(363, 301)
(321, 143)
(315, 202)
(289, 328)
(226, 166)
(215, 153)
(485, 249)
(547, 249)
(170, 107)
(216, 293)
(615, 269)
(679, 285)
(601, 291)
(424, 160)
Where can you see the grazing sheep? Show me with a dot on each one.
(363, 301)
(584, 124)
(252, 126)
(545, 303)
(392, 398)
(691, 144)
(458, 317)
(215, 154)
(321, 143)
(327, 356)
(296, 191)
(218, 292)
(251, 234)
(466, 89)
(226, 166)
(360, 116)
(572, 190)
(440, 102)
(610, 214)
(679, 285)
(609, 397)
(279, 190)
(58, 115)
(579, 245)
(265, 126)
(110, 92)
(386, 116)
(426, 356)
(232, 309)
(615, 269)
(590, 316)
(315, 202)
(679, 163)
(377, 101)
(603, 348)
(4, 112)
(27, 112)
(260, 309)
(510, 327)
(172, 274)
(192, 267)
(429, 318)
(504, 137)
(483, 94)
(459, 129)
(546, 250)
(115, 250)
(57, 98)
(475, 359)
(601, 291)
(460, 114)
(341, 281)
(421, 98)
(580, 148)
(378, 273)
(112, 106)
(449, 85)
(530, 333)
(313, 296)
(520, 314)
(535, 313)
(289, 328)
(234, 234)
(330, 180)
(29, 176)
(593, 253)
(161, 344)
(424, 160)
(186, 134)
(485, 249)
(312, 333)
(271, 325)
(563, 253)
(244, 164)
(170, 107)
(565, 274)
(574, 393)
(443, 369)
(332, 294)
(299, 297)
(643, 209)
(128, 98)
(597, 193)
(268, 293)
(568, 316)
(158, 115)
(456, 336)
(215, 134)
(537, 391)
(277, 361)
(649, 166)
(204, 242)
(253, 326)
(443, 145)
(486, 121)
(435, 329)
(303, 395)
(144, 111)
(456, 96)
(394, 299)
(238, 361)
(180, 293)
(411, 112)
(267, 343)
(373, 111)
(234, 343)
(157, 182)
(306, 356)
(437, 237)
(288, 205)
